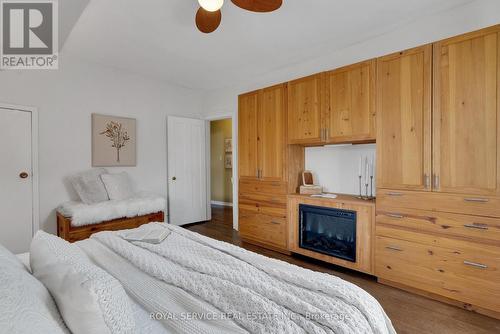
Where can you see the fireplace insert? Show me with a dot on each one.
(328, 231)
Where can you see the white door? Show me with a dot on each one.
(187, 175)
(16, 182)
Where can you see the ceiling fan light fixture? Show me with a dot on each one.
(211, 5)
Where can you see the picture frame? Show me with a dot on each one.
(228, 161)
(228, 145)
(113, 141)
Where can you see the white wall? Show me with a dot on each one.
(472, 16)
(65, 99)
(336, 167)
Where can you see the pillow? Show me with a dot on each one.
(89, 186)
(90, 300)
(118, 186)
(26, 306)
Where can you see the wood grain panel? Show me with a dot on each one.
(271, 133)
(248, 109)
(467, 273)
(350, 102)
(404, 119)
(482, 230)
(71, 233)
(304, 110)
(454, 203)
(466, 108)
(268, 229)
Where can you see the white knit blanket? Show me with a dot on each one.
(263, 295)
(141, 204)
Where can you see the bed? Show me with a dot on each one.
(190, 283)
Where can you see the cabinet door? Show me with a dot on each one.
(304, 110)
(404, 119)
(350, 103)
(466, 103)
(271, 133)
(248, 109)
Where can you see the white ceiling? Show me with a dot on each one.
(158, 37)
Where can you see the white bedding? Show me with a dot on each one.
(265, 295)
(82, 214)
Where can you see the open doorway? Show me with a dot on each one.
(221, 169)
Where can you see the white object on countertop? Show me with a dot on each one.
(325, 195)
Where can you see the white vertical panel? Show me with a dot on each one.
(16, 194)
(186, 162)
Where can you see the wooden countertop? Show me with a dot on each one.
(340, 198)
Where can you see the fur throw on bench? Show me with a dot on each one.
(141, 204)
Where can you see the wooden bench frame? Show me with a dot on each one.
(75, 233)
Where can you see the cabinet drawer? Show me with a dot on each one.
(264, 228)
(266, 204)
(464, 227)
(267, 187)
(468, 275)
(471, 205)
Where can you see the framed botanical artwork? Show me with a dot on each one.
(228, 161)
(113, 141)
(228, 145)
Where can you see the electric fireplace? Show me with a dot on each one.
(328, 231)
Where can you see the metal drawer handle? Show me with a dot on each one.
(477, 226)
(395, 194)
(394, 215)
(475, 264)
(477, 200)
(394, 248)
(275, 222)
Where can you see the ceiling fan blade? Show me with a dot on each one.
(260, 6)
(206, 21)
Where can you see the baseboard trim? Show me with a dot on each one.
(221, 203)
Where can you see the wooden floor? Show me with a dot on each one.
(409, 313)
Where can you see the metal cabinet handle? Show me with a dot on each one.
(435, 181)
(275, 222)
(392, 193)
(477, 226)
(394, 215)
(477, 200)
(426, 181)
(475, 264)
(394, 248)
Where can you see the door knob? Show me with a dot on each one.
(174, 178)
(23, 175)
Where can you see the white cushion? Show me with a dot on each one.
(89, 186)
(118, 186)
(26, 306)
(90, 300)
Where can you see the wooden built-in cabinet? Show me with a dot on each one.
(438, 196)
(350, 103)
(333, 107)
(305, 120)
(434, 112)
(404, 82)
(261, 132)
(271, 134)
(263, 167)
(248, 110)
(466, 150)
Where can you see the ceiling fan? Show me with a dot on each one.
(209, 16)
